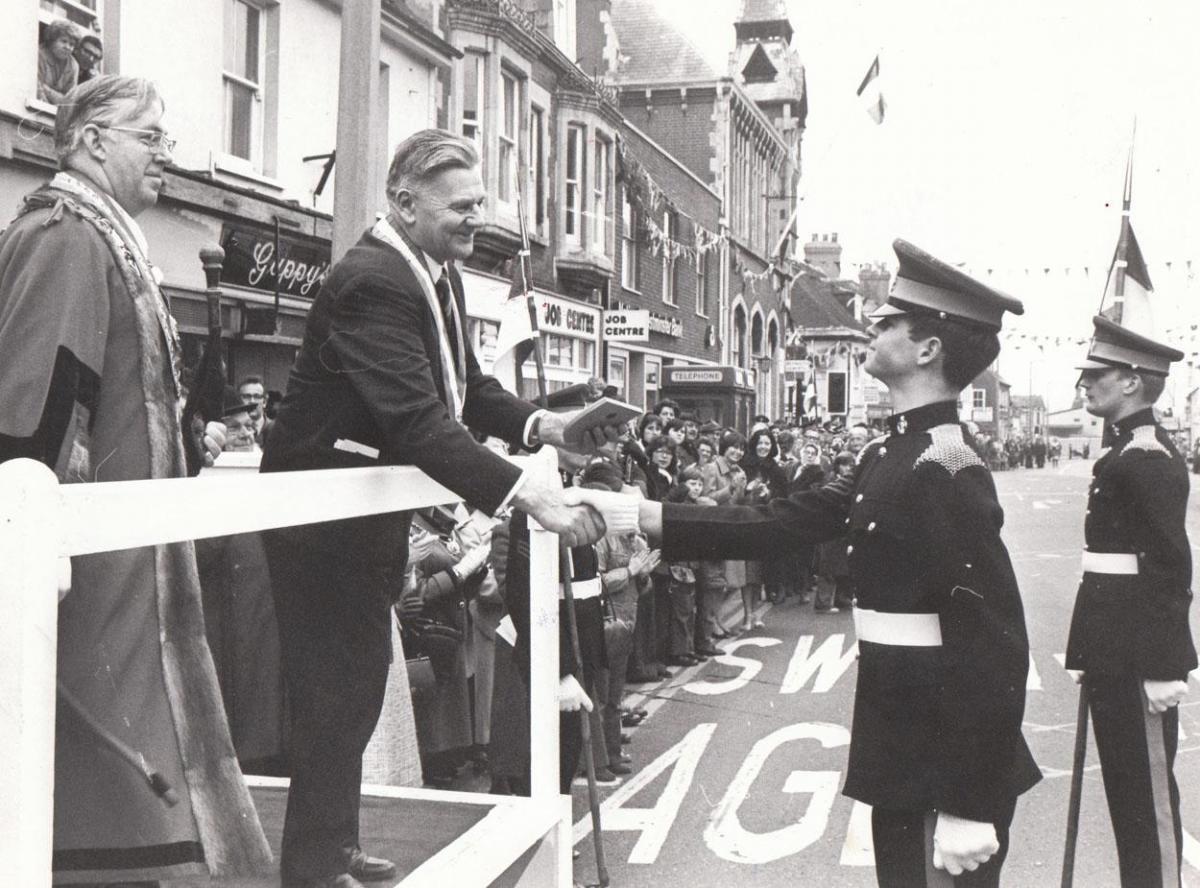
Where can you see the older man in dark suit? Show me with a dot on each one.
(385, 376)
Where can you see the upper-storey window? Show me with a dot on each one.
(535, 208)
(474, 80)
(702, 283)
(600, 195)
(242, 74)
(574, 179)
(510, 115)
(670, 268)
(629, 243)
(70, 48)
(564, 26)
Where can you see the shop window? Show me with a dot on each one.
(652, 375)
(510, 113)
(618, 376)
(585, 355)
(629, 243)
(836, 391)
(600, 196)
(574, 180)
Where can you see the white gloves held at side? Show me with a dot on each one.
(571, 696)
(961, 845)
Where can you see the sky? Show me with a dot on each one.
(1003, 148)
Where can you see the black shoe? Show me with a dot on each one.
(341, 880)
(699, 656)
(620, 768)
(680, 660)
(370, 869)
(664, 672)
(709, 651)
(642, 677)
(631, 720)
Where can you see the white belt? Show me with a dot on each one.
(581, 589)
(903, 630)
(1110, 562)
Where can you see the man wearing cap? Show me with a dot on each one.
(936, 746)
(1129, 633)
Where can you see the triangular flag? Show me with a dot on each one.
(870, 93)
(514, 341)
(1127, 291)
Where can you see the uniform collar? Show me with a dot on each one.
(1123, 428)
(923, 418)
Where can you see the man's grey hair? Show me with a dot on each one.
(423, 155)
(101, 100)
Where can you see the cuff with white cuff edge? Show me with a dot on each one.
(529, 436)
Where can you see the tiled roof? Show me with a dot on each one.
(763, 11)
(652, 50)
(820, 304)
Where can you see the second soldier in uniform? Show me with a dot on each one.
(1129, 633)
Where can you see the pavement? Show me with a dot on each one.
(739, 767)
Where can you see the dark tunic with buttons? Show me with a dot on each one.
(1136, 623)
(934, 727)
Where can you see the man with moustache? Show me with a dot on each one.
(385, 376)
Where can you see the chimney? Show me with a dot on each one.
(825, 253)
(875, 281)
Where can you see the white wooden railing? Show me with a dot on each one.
(42, 523)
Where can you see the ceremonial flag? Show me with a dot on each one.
(514, 342)
(1126, 299)
(869, 92)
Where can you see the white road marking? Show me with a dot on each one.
(750, 668)
(859, 847)
(726, 836)
(653, 823)
(1034, 681)
(828, 664)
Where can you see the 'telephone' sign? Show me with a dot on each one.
(627, 326)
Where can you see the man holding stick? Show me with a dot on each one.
(1129, 633)
(385, 376)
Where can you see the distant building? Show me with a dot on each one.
(1029, 415)
(987, 402)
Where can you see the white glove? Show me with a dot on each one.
(1162, 695)
(962, 845)
(571, 695)
(620, 512)
(475, 559)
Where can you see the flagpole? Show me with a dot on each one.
(531, 303)
(1121, 262)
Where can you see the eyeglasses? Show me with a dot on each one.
(156, 140)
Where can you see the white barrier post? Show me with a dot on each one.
(543, 646)
(29, 541)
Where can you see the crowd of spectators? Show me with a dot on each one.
(659, 616)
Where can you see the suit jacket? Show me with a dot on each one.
(369, 372)
(934, 727)
(1137, 623)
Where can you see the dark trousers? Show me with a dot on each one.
(904, 852)
(641, 655)
(662, 616)
(1137, 759)
(683, 618)
(335, 634)
(710, 594)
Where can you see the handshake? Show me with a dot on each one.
(579, 515)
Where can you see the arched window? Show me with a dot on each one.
(738, 351)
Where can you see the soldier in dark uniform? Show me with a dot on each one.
(1129, 633)
(936, 745)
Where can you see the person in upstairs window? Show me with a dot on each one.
(58, 72)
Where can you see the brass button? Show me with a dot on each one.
(849, 549)
(871, 526)
(859, 498)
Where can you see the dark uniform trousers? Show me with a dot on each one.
(1137, 758)
(904, 852)
(1131, 623)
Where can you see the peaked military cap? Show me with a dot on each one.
(925, 283)
(1114, 346)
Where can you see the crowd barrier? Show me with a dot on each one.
(43, 523)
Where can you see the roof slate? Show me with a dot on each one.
(652, 50)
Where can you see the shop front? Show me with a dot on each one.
(570, 333)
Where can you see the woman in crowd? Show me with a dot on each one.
(58, 72)
(764, 481)
(447, 576)
(724, 483)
